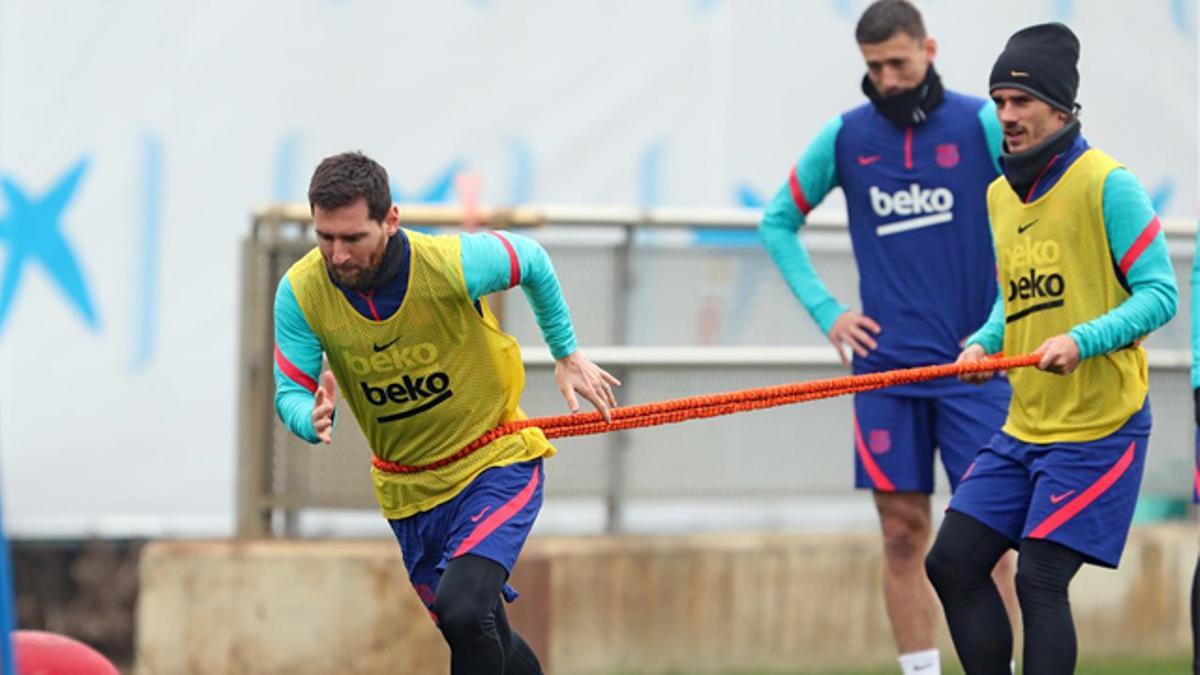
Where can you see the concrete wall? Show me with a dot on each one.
(600, 605)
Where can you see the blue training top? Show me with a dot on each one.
(918, 224)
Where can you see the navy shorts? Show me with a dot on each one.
(895, 436)
(1080, 495)
(491, 518)
(1196, 471)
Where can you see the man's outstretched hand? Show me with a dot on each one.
(575, 373)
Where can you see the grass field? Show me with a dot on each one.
(1179, 667)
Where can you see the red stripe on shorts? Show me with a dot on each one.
(1073, 507)
(498, 517)
(878, 477)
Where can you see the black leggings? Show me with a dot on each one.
(960, 568)
(1196, 619)
(470, 614)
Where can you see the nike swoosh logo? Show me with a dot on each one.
(923, 666)
(1054, 499)
(864, 160)
(1018, 73)
(1021, 228)
(380, 347)
(475, 518)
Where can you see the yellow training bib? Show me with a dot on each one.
(425, 381)
(1056, 271)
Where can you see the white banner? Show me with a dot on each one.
(136, 137)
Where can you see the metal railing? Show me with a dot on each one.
(768, 454)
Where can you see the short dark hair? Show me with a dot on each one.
(885, 18)
(343, 179)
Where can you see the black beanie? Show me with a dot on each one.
(1040, 60)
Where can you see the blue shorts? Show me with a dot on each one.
(1080, 495)
(895, 436)
(491, 518)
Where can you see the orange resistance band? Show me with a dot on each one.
(700, 407)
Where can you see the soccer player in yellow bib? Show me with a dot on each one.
(425, 369)
(1084, 276)
(1195, 324)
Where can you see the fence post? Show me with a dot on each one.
(255, 382)
(618, 444)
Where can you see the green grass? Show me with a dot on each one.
(1179, 667)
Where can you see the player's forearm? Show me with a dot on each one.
(778, 232)
(294, 404)
(990, 335)
(489, 267)
(297, 364)
(549, 306)
(1151, 305)
(813, 176)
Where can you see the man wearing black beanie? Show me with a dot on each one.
(914, 162)
(1084, 276)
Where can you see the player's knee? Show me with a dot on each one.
(905, 538)
(942, 566)
(460, 616)
(1005, 569)
(1041, 582)
(1034, 591)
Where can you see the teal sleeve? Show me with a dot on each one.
(990, 335)
(1139, 249)
(297, 350)
(488, 268)
(811, 179)
(1196, 314)
(992, 132)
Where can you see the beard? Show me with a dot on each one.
(356, 277)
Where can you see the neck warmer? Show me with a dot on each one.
(912, 107)
(1023, 169)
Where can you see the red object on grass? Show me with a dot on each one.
(42, 653)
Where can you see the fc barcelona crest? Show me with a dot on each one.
(947, 155)
(880, 441)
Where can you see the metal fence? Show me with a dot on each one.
(675, 302)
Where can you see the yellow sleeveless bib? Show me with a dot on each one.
(425, 381)
(1056, 271)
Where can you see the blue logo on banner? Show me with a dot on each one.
(32, 231)
(746, 196)
(437, 191)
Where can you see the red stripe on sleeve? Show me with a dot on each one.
(1141, 244)
(802, 204)
(514, 265)
(293, 373)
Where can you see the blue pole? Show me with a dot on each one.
(7, 616)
